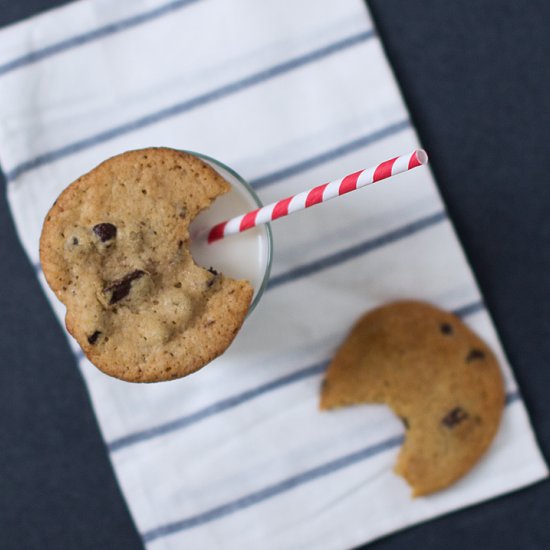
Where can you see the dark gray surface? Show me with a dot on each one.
(476, 78)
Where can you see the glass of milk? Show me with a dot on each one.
(247, 255)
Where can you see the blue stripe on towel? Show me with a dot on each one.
(272, 490)
(353, 252)
(90, 36)
(189, 104)
(331, 154)
(215, 408)
(469, 309)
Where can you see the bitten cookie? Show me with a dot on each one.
(115, 250)
(437, 376)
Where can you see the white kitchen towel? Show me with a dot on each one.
(290, 94)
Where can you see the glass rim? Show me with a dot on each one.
(267, 226)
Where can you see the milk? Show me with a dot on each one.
(242, 256)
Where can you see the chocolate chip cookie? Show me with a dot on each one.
(115, 250)
(438, 376)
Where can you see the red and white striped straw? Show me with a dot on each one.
(317, 195)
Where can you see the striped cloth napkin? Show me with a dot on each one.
(290, 94)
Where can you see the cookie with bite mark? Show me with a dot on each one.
(438, 376)
(115, 250)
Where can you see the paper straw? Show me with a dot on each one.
(317, 195)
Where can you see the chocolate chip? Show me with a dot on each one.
(475, 355)
(105, 231)
(405, 422)
(120, 288)
(446, 328)
(92, 339)
(75, 241)
(213, 279)
(454, 417)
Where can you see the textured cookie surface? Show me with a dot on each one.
(437, 376)
(114, 249)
